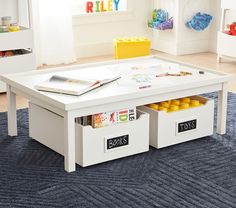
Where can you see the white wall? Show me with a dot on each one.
(94, 34)
(216, 12)
(9, 8)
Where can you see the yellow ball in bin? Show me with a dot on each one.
(165, 104)
(185, 100)
(153, 106)
(184, 106)
(175, 102)
(163, 109)
(194, 103)
(173, 108)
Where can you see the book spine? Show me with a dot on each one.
(114, 117)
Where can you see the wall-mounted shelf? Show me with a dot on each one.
(226, 46)
(22, 40)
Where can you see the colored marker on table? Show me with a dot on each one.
(145, 86)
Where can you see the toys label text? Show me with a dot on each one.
(187, 126)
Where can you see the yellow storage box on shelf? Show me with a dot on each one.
(131, 47)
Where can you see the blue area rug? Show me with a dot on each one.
(200, 173)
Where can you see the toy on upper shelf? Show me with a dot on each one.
(232, 29)
(160, 20)
(11, 53)
(8, 26)
(199, 21)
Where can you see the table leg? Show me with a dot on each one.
(11, 115)
(222, 109)
(69, 142)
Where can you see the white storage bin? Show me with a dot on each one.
(16, 40)
(226, 44)
(93, 146)
(184, 125)
(17, 63)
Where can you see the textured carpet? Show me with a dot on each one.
(201, 173)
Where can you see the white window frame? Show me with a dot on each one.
(103, 17)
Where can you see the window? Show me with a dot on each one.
(98, 6)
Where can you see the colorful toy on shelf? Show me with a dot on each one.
(131, 47)
(160, 20)
(3, 28)
(159, 15)
(11, 53)
(1, 54)
(232, 29)
(168, 24)
(6, 21)
(199, 22)
(7, 25)
(14, 27)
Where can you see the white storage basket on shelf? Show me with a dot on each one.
(226, 44)
(93, 145)
(184, 125)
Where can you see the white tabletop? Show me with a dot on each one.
(135, 73)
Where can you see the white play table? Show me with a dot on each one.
(138, 86)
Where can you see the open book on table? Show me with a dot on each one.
(70, 86)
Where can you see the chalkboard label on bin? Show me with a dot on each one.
(117, 142)
(187, 126)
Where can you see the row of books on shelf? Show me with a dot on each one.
(108, 118)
